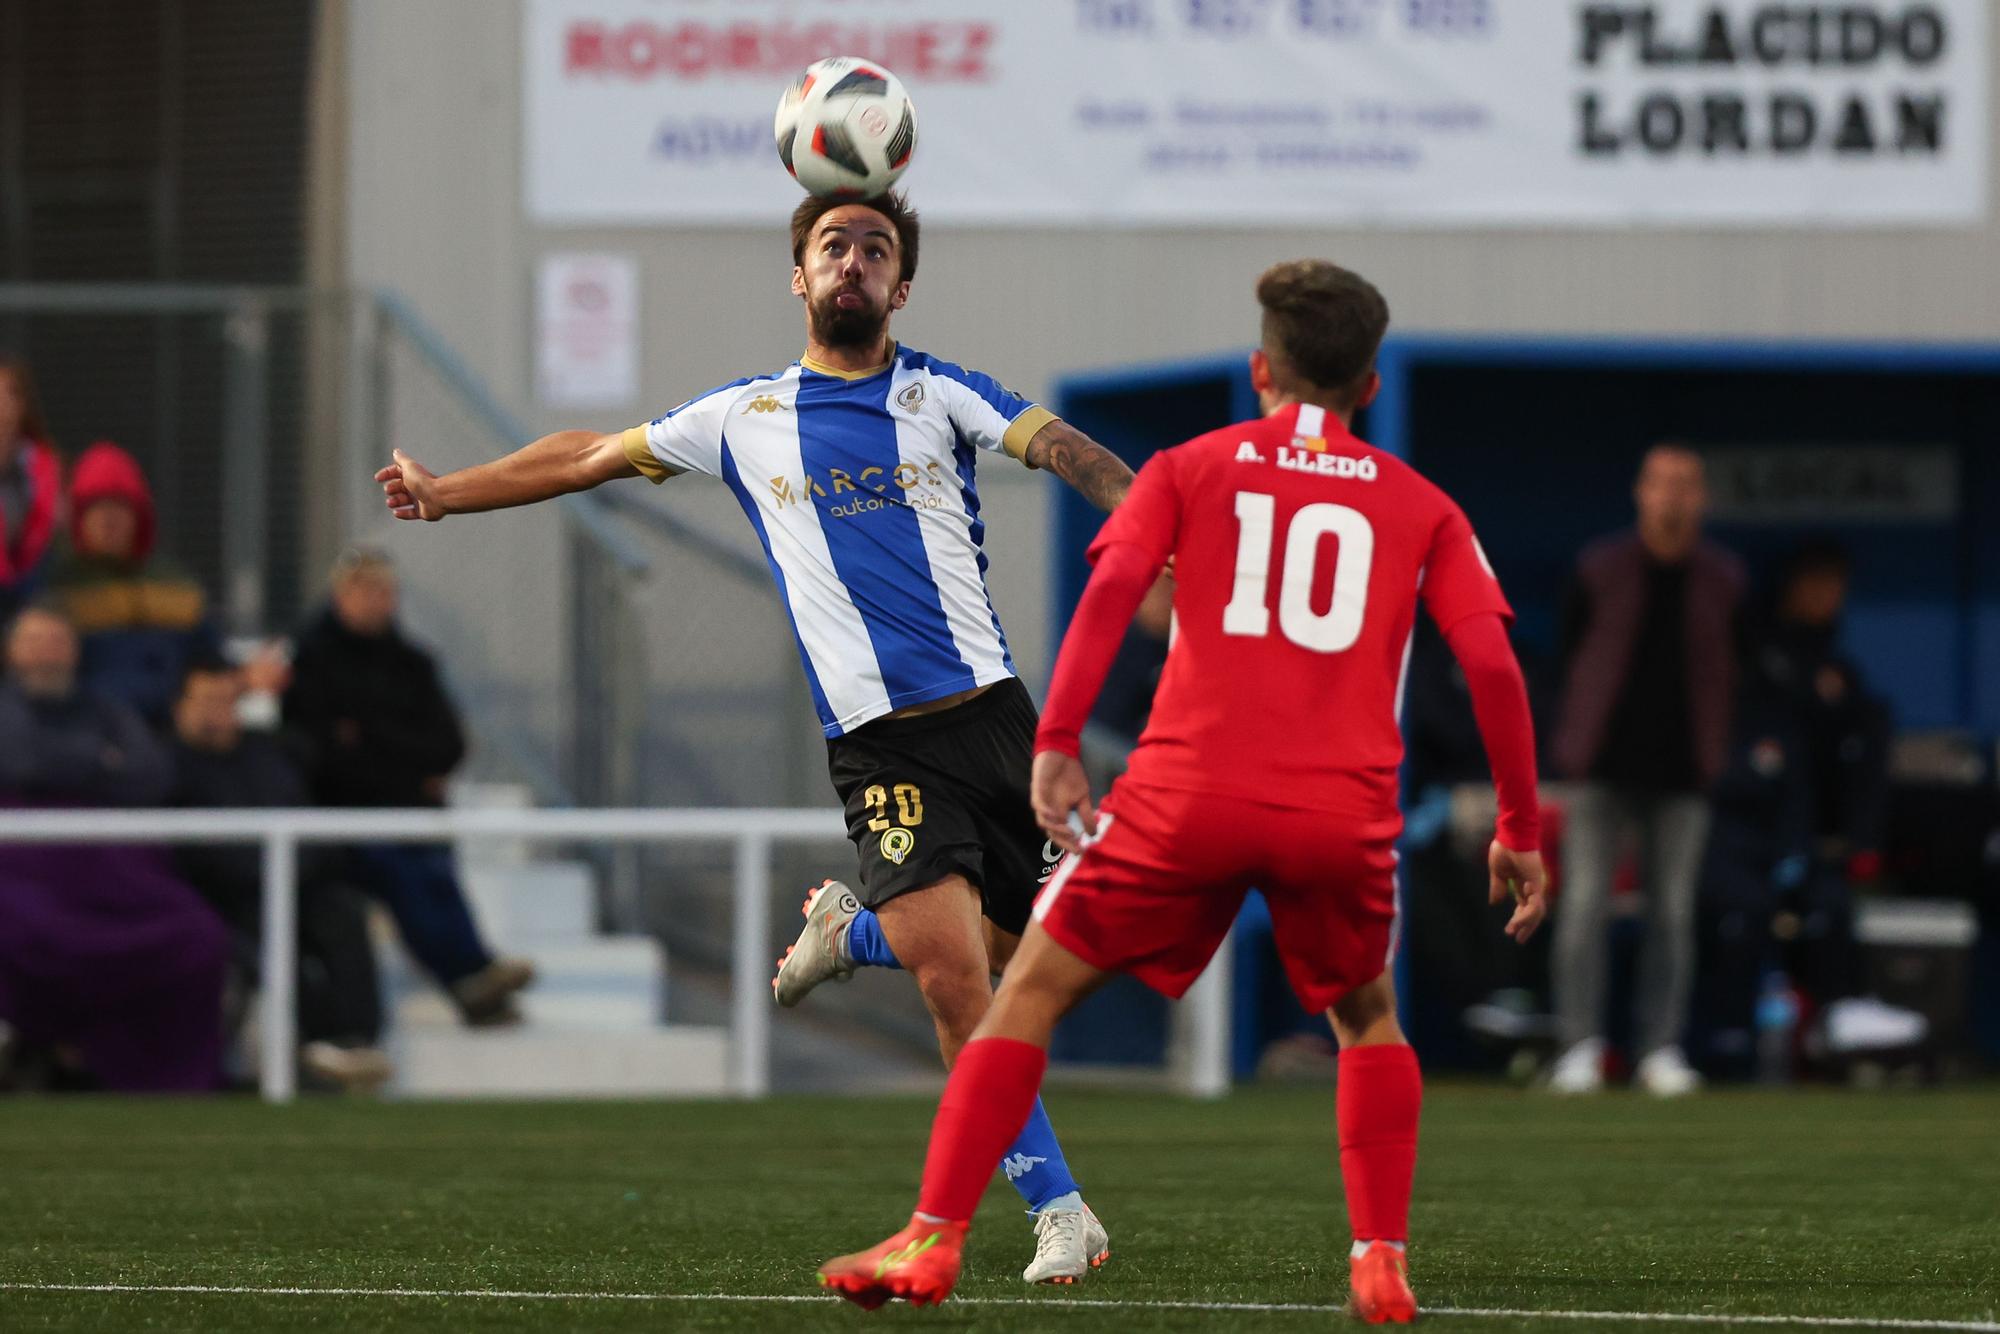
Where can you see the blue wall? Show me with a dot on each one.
(1539, 441)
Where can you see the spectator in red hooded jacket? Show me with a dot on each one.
(30, 488)
(143, 620)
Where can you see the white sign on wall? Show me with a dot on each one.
(1460, 112)
(587, 331)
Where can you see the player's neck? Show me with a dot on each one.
(1277, 402)
(849, 359)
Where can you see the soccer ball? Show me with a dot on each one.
(846, 128)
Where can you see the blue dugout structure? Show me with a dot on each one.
(1539, 440)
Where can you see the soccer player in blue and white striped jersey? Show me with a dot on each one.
(856, 467)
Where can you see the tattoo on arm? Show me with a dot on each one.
(1099, 476)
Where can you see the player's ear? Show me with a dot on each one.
(1260, 371)
(798, 280)
(900, 296)
(1371, 387)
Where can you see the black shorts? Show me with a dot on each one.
(947, 793)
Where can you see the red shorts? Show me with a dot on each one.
(1156, 891)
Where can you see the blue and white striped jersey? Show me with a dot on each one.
(860, 486)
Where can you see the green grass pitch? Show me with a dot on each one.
(1814, 1205)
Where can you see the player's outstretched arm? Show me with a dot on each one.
(1098, 475)
(1500, 703)
(552, 466)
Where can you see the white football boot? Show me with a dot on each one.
(1069, 1243)
(1666, 1074)
(1580, 1069)
(820, 953)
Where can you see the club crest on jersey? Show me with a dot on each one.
(897, 844)
(1316, 443)
(912, 397)
(763, 403)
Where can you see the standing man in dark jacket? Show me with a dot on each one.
(1650, 641)
(378, 729)
(217, 765)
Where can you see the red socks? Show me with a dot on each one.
(986, 1102)
(1378, 1100)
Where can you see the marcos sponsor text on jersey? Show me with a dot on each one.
(861, 489)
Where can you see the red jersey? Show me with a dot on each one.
(1300, 554)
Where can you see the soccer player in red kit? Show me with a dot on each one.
(1300, 555)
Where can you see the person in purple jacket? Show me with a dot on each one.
(109, 965)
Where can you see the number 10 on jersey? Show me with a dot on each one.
(1249, 611)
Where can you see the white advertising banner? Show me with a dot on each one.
(587, 331)
(1233, 112)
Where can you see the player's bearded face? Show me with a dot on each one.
(845, 313)
(850, 277)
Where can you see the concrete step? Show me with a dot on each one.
(529, 903)
(604, 984)
(677, 1061)
(491, 796)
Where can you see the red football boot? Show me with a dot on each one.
(1380, 1287)
(919, 1264)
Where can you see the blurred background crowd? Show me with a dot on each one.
(127, 968)
(1718, 773)
(1723, 420)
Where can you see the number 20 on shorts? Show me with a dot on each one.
(909, 806)
(1249, 611)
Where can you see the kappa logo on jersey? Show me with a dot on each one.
(911, 398)
(897, 845)
(1019, 1165)
(764, 403)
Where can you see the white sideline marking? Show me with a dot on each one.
(1079, 1303)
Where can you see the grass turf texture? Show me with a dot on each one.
(1736, 1203)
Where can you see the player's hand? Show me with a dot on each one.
(410, 489)
(1059, 791)
(1521, 876)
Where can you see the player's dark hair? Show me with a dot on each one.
(894, 205)
(1322, 325)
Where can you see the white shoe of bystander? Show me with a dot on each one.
(1580, 1069)
(1666, 1074)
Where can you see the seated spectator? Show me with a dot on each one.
(105, 957)
(1799, 824)
(1476, 997)
(377, 729)
(30, 488)
(142, 620)
(219, 765)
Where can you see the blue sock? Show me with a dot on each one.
(1034, 1163)
(865, 944)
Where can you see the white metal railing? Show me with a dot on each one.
(1203, 1073)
